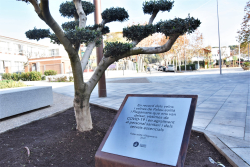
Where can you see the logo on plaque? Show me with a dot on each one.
(136, 144)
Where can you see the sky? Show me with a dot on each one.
(17, 17)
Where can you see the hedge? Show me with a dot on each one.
(50, 72)
(187, 67)
(10, 84)
(24, 76)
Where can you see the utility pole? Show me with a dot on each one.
(185, 52)
(219, 35)
(248, 51)
(239, 55)
(102, 92)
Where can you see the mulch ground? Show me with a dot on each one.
(54, 141)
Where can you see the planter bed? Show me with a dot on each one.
(19, 100)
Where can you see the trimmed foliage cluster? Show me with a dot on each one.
(24, 76)
(115, 49)
(82, 35)
(67, 9)
(149, 7)
(115, 14)
(50, 72)
(54, 39)
(71, 25)
(11, 84)
(176, 26)
(79, 36)
(37, 34)
(138, 32)
(105, 29)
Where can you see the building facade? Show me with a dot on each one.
(23, 56)
(14, 54)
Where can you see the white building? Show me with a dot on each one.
(225, 53)
(15, 53)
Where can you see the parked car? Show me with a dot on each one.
(164, 68)
(171, 68)
(159, 68)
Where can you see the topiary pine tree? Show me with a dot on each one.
(72, 34)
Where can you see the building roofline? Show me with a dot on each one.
(22, 41)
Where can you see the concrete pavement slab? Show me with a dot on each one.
(243, 153)
(233, 131)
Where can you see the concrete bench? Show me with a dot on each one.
(19, 100)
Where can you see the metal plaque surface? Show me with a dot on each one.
(150, 128)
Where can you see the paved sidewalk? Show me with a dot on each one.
(223, 107)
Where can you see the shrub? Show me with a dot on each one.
(50, 72)
(6, 76)
(246, 64)
(10, 84)
(43, 77)
(71, 79)
(61, 79)
(35, 76)
(16, 77)
(25, 76)
(187, 67)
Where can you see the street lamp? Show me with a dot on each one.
(219, 35)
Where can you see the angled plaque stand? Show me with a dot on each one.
(148, 130)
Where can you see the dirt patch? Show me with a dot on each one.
(54, 141)
(134, 80)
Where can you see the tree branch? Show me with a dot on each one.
(151, 50)
(106, 61)
(37, 8)
(152, 17)
(89, 49)
(100, 69)
(81, 14)
(73, 55)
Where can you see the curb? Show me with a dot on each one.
(231, 157)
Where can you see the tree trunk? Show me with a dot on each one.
(82, 113)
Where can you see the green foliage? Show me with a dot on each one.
(37, 34)
(105, 29)
(154, 6)
(187, 67)
(178, 26)
(71, 25)
(16, 77)
(114, 49)
(31, 76)
(82, 35)
(61, 79)
(71, 79)
(246, 64)
(115, 14)
(153, 58)
(67, 9)
(54, 39)
(50, 72)
(43, 77)
(6, 76)
(10, 84)
(138, 32)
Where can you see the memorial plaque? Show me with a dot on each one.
(149, 130)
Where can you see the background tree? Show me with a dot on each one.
(243, 34)
(72, 34)
(196, 44)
